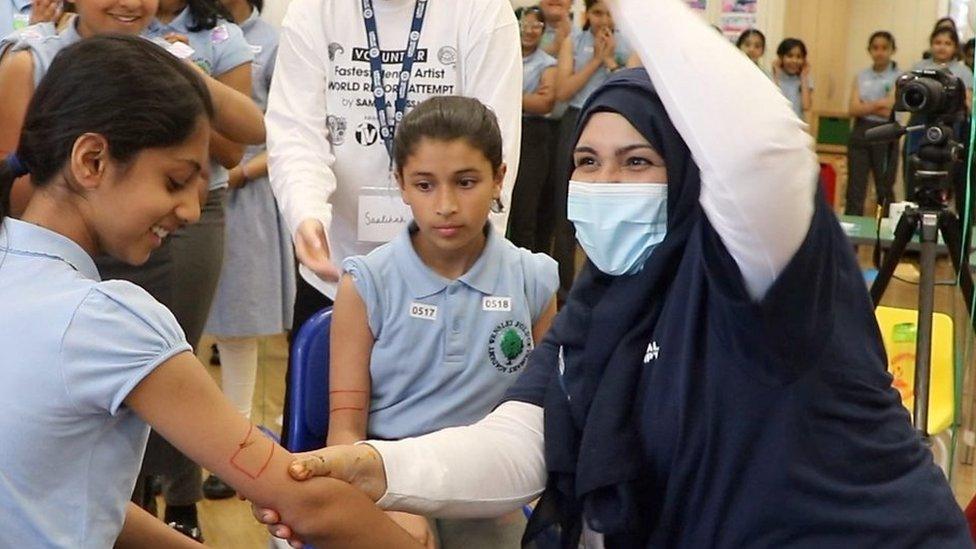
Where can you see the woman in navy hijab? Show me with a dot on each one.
(716, 378)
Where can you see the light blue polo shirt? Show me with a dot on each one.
(445, 351)
(43, 41)
(873, 85)
(582, 53)
(14, 15)
(216, 51)
(71, 349)
(533, 65)
(262, 38)
(789, 86)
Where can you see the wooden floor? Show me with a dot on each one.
(228, 523)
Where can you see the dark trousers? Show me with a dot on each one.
(880, 159)
(553, 228)
(532, 197)
(308, 301)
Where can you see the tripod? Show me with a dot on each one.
(931, 166)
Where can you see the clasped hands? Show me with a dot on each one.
(358, 465)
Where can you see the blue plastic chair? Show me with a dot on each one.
(309, 382)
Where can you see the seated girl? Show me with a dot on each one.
(431, 329)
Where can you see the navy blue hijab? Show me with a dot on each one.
(764, 424)
(601, 337)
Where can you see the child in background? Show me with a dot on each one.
(86, 364)
(944, 47)
(872, 98)
(752, 42)
(968, 52)
(534, 179)
(257, 283)
(437, 324)
(791, 72)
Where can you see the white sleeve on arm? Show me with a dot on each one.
(492, 73)
(483, 470)
(758, 168)
(299, 155)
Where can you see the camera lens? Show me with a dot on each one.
(915, 97)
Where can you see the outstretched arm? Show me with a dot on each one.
(182, 402)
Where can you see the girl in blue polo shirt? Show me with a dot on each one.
(183, 273)
(529, 197)
(872, 99)
(433, 327)
(86, 365)
(791, 72)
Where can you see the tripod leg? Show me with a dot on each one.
(926, 306)
(949, 227)
(903, 234)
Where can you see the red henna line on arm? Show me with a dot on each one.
(244, 444)
(341, 408)
(345, 391)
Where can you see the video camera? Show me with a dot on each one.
(937, 101)
(935, 93)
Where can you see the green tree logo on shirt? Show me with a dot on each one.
(512, 345)
(509, 345)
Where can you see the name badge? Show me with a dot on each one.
(180, 50)
(21, 21)
(382, 218)
(423, 311)
(496, 304)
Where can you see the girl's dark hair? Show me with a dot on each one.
(883, 34)
(447, 118)
(951, 33)
(788, 44)
(256, 4)
(206, 13)
(588, 4)
(970, 45)
(751, 32)
(528, 10)
(951, 21)
(125, 88)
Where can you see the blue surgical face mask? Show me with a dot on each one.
(618, 224)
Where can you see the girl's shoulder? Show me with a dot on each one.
(534, 265)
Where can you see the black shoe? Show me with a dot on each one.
(214, 355)
(214, 488)
(191, 531)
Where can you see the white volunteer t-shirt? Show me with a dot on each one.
(327, 159)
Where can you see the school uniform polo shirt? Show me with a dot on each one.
(445, 351)
(72, 347)
(14, 15)
(43, 41)
(216, 51)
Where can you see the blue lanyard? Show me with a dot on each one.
(387, 126)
